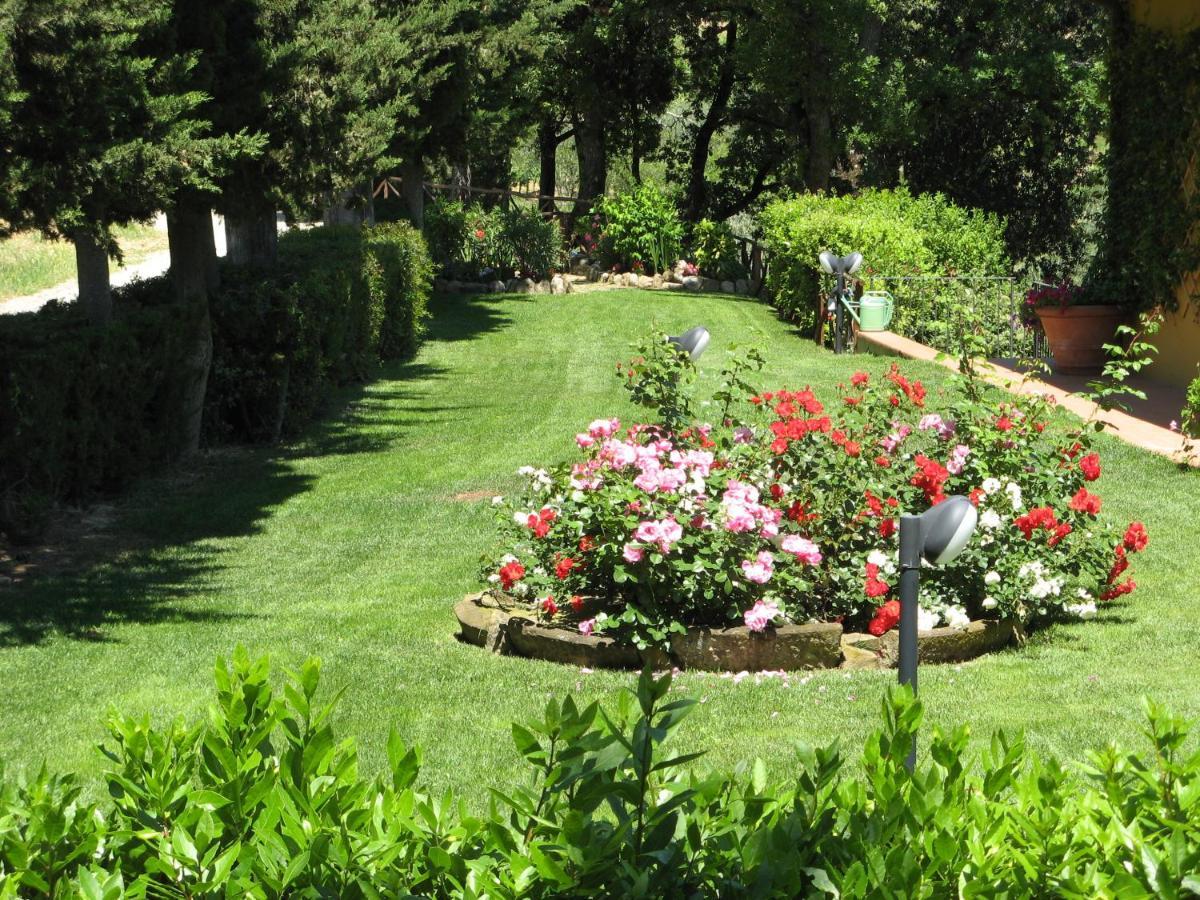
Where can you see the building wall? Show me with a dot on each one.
(1178, 341)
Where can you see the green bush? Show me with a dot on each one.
(84, 410)
(472, 242)
(1190, 418)
(341, 300)
(533, 244)
(263, 799)
(715, 250)
(641, 229)
(898, 235)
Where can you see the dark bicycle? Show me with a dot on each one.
(839, 308)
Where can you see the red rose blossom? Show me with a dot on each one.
(1085, 502)
(1090, 466)
(886, 618)
(510, 574)
(1136, 537)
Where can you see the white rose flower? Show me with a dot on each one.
(991, 578)
(926, 619)
(1081, 610)
(493, 578)
(956, 617)
(521, 518)
(1014, 494)
(507, 558)
(991, 485)
(526, 470)
(878, 558)
(990, 603)
(990, 520)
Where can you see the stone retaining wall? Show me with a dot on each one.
(486, 623)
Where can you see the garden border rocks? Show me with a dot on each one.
(486, 623)
(563, 283)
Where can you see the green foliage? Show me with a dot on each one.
(898, 233)
(659, 377)
(1149, 243)
(641, 229)
(264, 799)
(533, 243)
(716, 251)
(342, 300)
(85, 409)
(1190, 418)
(102, 129)
(469, 242)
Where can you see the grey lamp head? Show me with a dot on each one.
(837, 265)
(947, 528)
(693, 341)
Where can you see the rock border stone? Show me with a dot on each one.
(587, 271)
(486, 623)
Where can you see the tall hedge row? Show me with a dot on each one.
(84, 410)
(897, 233)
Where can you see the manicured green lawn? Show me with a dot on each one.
(30, 263)
(354, 544)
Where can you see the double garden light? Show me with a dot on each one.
(936, 536)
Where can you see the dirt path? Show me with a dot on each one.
(152, 265)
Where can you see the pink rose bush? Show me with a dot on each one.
(787, 511)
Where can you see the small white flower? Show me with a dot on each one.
(493, 578)
(507, 558)
(926, 619)
(1014, 494)
(990, 603)
(990, 519)
(1084, 594)
(521, 518)
(1082, 610)
(526, 470)
(497, 500)
(878, 558)
(991, 578)
(956, 617)
(991, 485)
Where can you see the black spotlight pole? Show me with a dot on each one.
(911, 548)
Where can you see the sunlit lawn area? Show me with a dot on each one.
(353, 545)
(30, 263)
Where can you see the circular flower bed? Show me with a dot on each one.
(785, 512)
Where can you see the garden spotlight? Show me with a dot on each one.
(693, 341)
(936, 536)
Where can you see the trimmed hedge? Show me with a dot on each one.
(262, 799)
(340, 300)
(897, 233)
(84, 410)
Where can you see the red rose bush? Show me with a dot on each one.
(786, 511)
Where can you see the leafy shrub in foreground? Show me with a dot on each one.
(264, 800)
(785, 510)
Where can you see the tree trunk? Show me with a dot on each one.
(412, 180)
(189, 234)
(592, 151)
(548, 174)
(91, 267)
(696, 199)
(818, 111)
(251, 238)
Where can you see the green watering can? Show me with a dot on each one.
(875, 310)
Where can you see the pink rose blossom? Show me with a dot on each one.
(958, 459)
(743, 435)
(760, 615)
(633, 553)
(584, 441)
(802, 548)
(759, 570)
(587, 626)
(602, 428)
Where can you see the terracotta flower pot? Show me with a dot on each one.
(1077, 335)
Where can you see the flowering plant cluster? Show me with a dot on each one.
(1062, 295)
(787, 512)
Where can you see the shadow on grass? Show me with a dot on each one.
(159, 562)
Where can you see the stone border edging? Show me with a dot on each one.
(788, 648)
